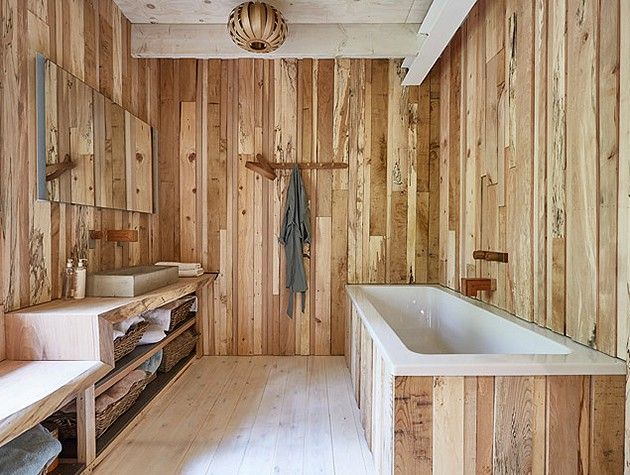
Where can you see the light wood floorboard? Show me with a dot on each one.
(249, 415)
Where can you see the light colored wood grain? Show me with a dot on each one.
(623, 214)
(606, 452)
(448, 421)
(62, 336)
(187, 179)
(539, 165)
(33, 390)
(556, 164)
(115, 309)
(513, 424)
(582, 174)
(413, 436)
(86, 430)
(568, 422)
(252, 413)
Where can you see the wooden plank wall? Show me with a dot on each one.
(486, 424)
(90, 39)
(536, 162)
(530, 138)
(377, 221)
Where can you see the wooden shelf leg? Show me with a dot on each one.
(86, 429)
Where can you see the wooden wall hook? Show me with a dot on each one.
(267, 169)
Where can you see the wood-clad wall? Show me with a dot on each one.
(90, 39)
(486, 424)
(376, 221)
(535, 161)
(530, 135)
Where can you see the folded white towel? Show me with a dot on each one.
(152, 334)
(190, 273)
(181, 265)
(162, 316)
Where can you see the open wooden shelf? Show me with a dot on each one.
(117, 309)
(138, 356)
(149, 393)
(69, 469)
(32, 390)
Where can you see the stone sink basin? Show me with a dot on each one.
(130, 281)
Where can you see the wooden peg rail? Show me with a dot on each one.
(267, 169)
(309, 166)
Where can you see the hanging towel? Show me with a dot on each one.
(294, 234)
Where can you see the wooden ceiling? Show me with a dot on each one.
(294, 11)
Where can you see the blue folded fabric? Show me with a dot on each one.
(152, 364)
(29, 453)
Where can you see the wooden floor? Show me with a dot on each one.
(258, 415)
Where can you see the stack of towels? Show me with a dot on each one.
(186, 269)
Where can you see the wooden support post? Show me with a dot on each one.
(86, 429)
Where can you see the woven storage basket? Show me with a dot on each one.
(179, 348)
(66, 422)
(125, 344)
(180, 314)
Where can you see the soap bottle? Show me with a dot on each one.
(68, 280)
(80, 278)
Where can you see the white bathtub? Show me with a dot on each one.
(425, 330)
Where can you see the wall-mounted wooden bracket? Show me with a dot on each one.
(55, 170)
(493, 256)
(268, 169)
(113, 235)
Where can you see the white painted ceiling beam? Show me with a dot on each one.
(329, 40)
(442, 22)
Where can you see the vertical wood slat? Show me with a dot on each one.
(582, 255)
(623, 212)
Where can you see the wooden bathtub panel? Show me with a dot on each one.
(486, 425)
(546, 425)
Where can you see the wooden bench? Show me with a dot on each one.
(30, 391)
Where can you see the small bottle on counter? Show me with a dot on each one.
(68, 280)
(80, 278)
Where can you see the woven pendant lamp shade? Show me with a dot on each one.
(257, 27)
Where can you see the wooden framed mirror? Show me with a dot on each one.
(90, 150)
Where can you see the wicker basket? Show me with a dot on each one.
(66, 422)
(125, 344)
(180, 314)
(179, 348)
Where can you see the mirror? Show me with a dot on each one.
(90, 150)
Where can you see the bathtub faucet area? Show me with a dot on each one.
(470, 287)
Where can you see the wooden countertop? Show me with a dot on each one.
(32, 390)
(117, 309)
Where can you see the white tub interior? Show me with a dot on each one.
(430, 321)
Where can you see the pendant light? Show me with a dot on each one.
(257, 27)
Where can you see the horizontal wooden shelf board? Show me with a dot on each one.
(32, 390)
(138, 356)
(117, 309)
(149, 394)
(69, 469)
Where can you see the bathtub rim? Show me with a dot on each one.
(401, 361)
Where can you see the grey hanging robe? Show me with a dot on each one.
(296, 232)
